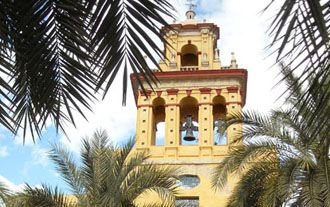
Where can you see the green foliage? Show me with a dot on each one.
(113, 176)
(108, 176)
(54, 55)
(43, 196)
(278, 157)
(4, 192)
(301, 39)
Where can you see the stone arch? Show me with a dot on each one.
(188, 107)
(189, 55)
(219, 112)
(158, 121)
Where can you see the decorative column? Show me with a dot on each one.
(204, 117)
(234, 106)
(172, 118)
(144, 121)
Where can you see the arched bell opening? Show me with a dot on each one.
(158, 109)
(189, 55)
(219, 112)
(189, 121)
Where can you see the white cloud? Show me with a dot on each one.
(10, 185)
(242, 30)
(109, 114)
(40, 156)
(4, 151)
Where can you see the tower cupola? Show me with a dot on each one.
(190, 14)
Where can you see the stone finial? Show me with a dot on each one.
(216, 54)
(190, 14)
(233, 62)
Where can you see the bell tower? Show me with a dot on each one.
(180, 121)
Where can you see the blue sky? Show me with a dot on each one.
(242, 30)
(28, 163)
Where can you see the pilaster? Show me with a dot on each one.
(234, 106)
(205, 117)
(172, 119)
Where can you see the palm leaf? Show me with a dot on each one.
(111, 175)
(44, 196)
(56, 54)
(121, 32)
(300, 33)
(287, 140)
(68, 169)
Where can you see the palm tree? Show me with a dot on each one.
(113, 176)
(277, 158)
(43, 196)
(301, 39)
(56, 54)
(108, 176)
(4, 192)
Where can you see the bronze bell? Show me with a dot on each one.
(189, 127)
(189, 135)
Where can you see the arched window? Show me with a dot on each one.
(189, 121)
(219, 124)
(188, 181)
(158, 135)
(189, 55)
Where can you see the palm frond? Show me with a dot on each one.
(129, 175)
(68, 169)
(301, 175)
(4, 192)
(43, 196)
(57, 54)
(250, 190)
(300, 33)
(113, 175)
(51, 71)
(122, 32)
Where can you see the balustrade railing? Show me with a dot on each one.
(188, 68)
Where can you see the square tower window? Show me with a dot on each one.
(187, 201)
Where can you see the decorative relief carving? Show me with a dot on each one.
(205, 31)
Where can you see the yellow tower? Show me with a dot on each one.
(179, 121)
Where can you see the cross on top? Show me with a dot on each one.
(192, 5)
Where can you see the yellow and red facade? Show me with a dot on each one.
(192, 82)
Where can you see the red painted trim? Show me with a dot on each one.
(205, 90)
(147, 93)
(205, 103)
(199, 74)
(188, 92)
(232, 89)
(174, 104)
(144, 105)
(234, 102)
(159, 93)
(218, 91)
(172, 91)
(238, 73)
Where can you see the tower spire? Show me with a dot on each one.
(191, 5)
(190, 14)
